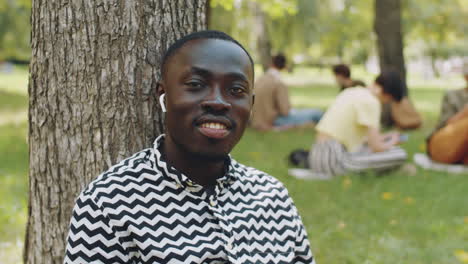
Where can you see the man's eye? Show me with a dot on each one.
(195, 84)
(237, 90)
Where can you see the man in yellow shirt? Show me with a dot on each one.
(349, 137)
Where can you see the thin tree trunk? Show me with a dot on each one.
(263, 38)
(387, 26)
(92, 99)
(435, 70)
(208, 13)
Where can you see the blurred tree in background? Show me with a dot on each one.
(311, 32)
(387, 27)
(14, 29)
(438, 27)
(325, 32)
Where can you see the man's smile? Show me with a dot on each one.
(214, 127)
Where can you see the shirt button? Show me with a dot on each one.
(229, 246)
(213, 203)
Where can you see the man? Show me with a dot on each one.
(348, 136)
(272, 109)
(185, 200)
(448, 143)
(343, 77)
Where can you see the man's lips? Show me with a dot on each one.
(214, 127)
(213, 130)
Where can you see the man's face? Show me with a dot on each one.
(208, 85)
(340, 79)
(378, 91)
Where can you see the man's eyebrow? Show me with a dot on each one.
(200, 71)
(206, 73)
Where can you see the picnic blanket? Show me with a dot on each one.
(306, 174)
(424, 161)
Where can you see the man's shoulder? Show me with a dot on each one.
(361, 94)
(257, 177)
(131, 169)
(269, 79)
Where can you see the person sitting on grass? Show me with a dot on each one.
(348, 136)
(272, 108)
(448, 143)
(342, 74)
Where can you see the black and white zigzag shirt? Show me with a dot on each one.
(144, 211)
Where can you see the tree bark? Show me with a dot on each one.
(263, 38)
(92, 99)
(387, 26)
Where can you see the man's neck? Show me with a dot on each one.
(348, 83)
(197, 169)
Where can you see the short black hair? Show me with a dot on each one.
(392, 84)
(342, 69)
(204, 34)
(279, 61)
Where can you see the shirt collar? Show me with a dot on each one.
(179, 178)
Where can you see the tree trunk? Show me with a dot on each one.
(263, 38)
(208, 13)
(387, 26)
(435, 70)
(92, 99)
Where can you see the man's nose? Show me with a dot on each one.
(215, 101)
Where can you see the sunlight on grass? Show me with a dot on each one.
(15, 117)
(16, 81)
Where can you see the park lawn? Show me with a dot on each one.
(400, 217)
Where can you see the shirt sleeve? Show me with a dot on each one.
(302, 252)
(91, 238)
(368, 113)
(282, 99)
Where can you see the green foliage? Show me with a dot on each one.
(14, 29)
(439, 24)
(325, 32)
(274, 8)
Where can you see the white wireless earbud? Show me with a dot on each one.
(161, 103)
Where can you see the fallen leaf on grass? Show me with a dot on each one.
(341, 225)
(422, 147)
(461, 255)
(255, 155)
(409, 200)
(346, 183)
(387, 196)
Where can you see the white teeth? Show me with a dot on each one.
(214, 125)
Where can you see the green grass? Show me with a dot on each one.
(395, 218)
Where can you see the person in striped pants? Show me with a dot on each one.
(349, 137)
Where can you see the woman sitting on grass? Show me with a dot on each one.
(349, 137)
(448, 143)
